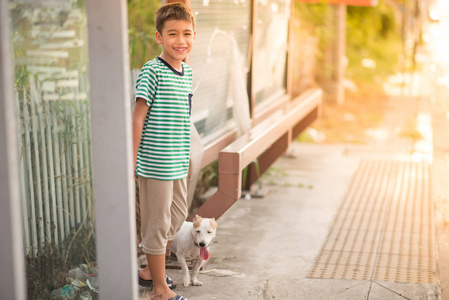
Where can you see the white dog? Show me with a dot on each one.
(192, 242)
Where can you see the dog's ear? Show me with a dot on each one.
(197, 221)
(213, 223)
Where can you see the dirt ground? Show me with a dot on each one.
(348, 123)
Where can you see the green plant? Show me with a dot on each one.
(142, 44)
(372, 33)
(208, 178)
(245, 172)
(314, 20)
(312, 33)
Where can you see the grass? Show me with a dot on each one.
(385, 53)
(48, 270)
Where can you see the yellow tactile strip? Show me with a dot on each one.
(384, 228)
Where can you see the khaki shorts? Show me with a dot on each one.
(163, 209)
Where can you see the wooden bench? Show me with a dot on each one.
(266, 141)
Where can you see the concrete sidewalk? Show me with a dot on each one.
(265, 247)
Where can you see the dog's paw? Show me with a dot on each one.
(186, 281)
(196, 282)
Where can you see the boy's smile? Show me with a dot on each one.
(177, 41)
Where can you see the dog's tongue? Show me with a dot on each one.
(204, 253)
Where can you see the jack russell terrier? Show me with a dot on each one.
(192, 242)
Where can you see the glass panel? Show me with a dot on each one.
(223, 35)
(270, 50)
(49, 41)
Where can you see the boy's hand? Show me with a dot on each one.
(139, 115)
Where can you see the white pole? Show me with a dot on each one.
(81, 169)
(37, 167)
(39, 105)
(88, 152)
(27, 126)
(69, 206)
(58, 167)
(51, 167)
(12, 262)
(112, 148)
(22, 172)
(75, 171)
(65, 172)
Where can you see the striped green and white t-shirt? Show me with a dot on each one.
(165, 145)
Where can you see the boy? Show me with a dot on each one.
(161, 139)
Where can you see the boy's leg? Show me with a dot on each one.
(179, 207)
(157, 269)
(155, 202)
(145, 272)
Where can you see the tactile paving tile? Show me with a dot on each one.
(384, 228)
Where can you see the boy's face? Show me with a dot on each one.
(177, 41)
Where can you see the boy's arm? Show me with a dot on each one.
(139, 115)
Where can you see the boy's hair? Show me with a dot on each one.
(173, 11)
